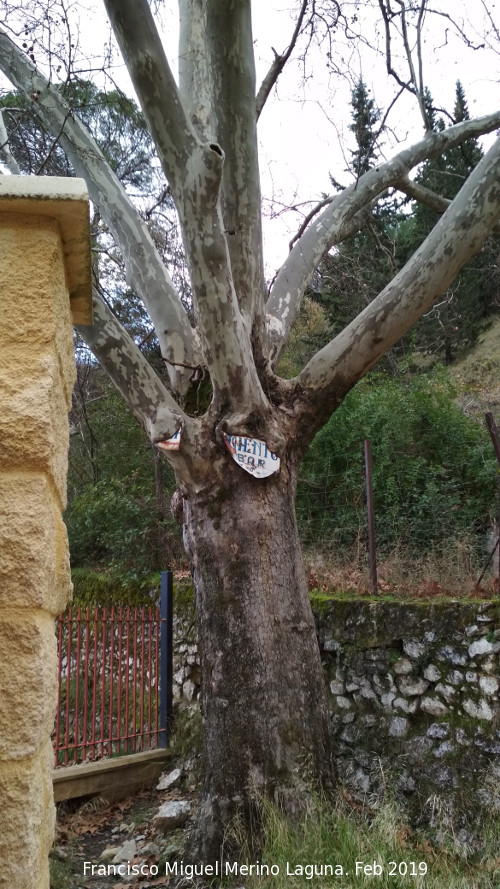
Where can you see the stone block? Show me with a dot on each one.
(34, 429)
(478, 709)
(28, 819)
(402, 666)
(38, 298)
(432, 673)
(433, 706)
(398, 727)
(34, 560)
(482, 646)
(413, 649)
(413, 686)
(489, 685)
(28, 679)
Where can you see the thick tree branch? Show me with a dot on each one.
(335, 222)
(278, 63)
(149, 400)
(195, 75)
(195, 171)
(423, 195)
(230, 47)
(308, 219)
(5, 148)
(156, 89)
(145, 271)
(459, 234)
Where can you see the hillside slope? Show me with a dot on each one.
(477, 375)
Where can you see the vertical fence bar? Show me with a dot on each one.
(141, 695)
(150, 676)
(372, 556)
(119, 686)
(111, 676)
(166, 633)
(68, 686)
(59, 683)
(77, 681)
(103, 675)
(94, 684)
(86, 682)
(157, 675)
(127, 669)
(134, 684)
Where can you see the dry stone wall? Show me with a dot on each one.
(414, 693)
(415, 704)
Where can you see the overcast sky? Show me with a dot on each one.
(303, 129)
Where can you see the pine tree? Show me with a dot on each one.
(457, 319)
(362, 266)
(365, 116)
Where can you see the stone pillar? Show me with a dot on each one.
(44, 287)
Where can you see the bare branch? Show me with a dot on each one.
(387, 16)
(417, 85)
(335, 223)
(278, 63)
(458, 235)
(420, 23)
(336, 220)
(310, 216)
(423, 195)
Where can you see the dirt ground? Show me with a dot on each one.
(85, 828)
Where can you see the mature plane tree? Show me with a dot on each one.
(264, 706)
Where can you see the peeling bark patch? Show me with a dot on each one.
(253, 455)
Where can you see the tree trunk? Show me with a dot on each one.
(266, 724)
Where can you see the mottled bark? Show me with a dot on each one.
(147, 397)
(263, 698)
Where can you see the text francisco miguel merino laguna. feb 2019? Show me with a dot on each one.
(259, 869)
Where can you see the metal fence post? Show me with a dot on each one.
(372, 557)
(166, 665)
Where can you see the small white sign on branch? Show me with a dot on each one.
(252, 455)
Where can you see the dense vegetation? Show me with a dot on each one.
(434, 477)
(433, 467)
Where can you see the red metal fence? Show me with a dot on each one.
(109, 683)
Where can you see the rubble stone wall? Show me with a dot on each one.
(415, 704)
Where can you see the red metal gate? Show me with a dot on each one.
(109, 683)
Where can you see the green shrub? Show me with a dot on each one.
(434, 470)
(91, 588)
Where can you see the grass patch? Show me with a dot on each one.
(61, 873)
(308, 852)
(449, 571)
